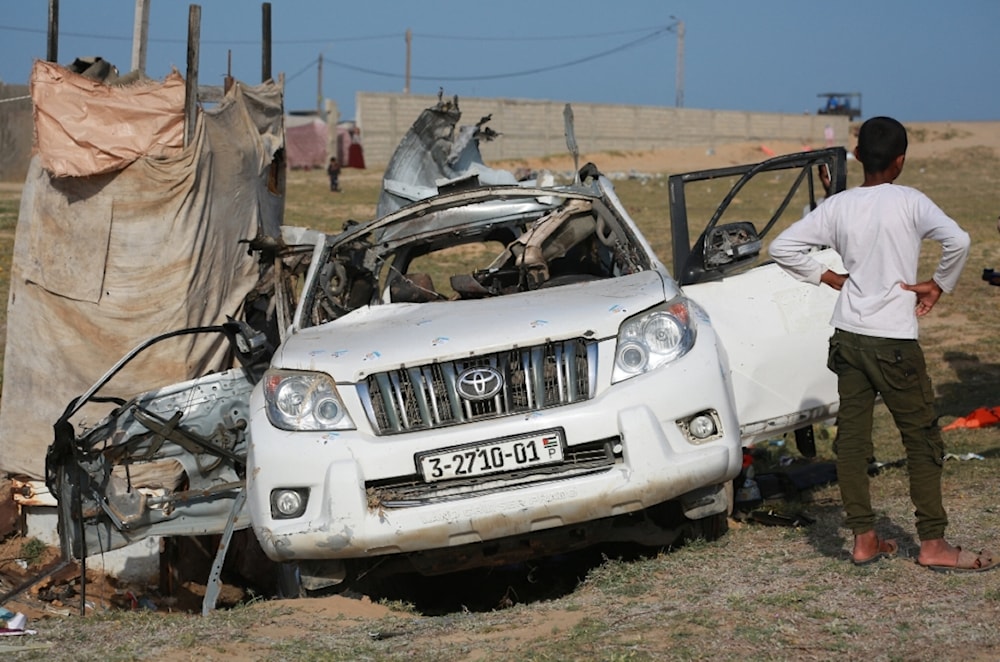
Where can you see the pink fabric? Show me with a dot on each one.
(86, 127)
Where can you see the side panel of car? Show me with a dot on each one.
(775, 330)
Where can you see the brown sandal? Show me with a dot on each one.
(980, 562)
(886, 550)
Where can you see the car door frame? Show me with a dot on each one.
(774, 329)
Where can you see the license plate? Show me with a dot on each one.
(493, 457)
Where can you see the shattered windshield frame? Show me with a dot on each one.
(547, 236)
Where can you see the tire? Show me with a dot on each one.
(289, 585)
(709, 529)
(712, 527)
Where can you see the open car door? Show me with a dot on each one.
(774, 328)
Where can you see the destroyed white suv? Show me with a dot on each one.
(562, 379)
(496, 369)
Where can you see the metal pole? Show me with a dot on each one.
(140, 35)
(265, 51)
(52, 51)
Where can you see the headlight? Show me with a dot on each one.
(304, 401)
(653, 338)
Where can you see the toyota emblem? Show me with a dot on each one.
(480, 383)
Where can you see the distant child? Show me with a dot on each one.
(333, 172)
(877, 228)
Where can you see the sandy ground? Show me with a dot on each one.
(927, 140)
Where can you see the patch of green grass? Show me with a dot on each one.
(622, 578)
(590, 640)
(399, 606)
(787, 599)
(756, 634)
(9, 203)
(32, 550)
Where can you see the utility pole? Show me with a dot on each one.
(140, 35)
(678, 29)
(409, 43)
(319, 87)
(679, 85)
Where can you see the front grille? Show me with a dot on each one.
(427, 397)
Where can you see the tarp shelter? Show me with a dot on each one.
(123, 233)
(350, 152)
(305, 142)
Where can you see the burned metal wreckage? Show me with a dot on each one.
(560, 390)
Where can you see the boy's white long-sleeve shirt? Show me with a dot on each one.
(877, 230)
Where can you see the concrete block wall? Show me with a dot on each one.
(530, 128)
(535, 128)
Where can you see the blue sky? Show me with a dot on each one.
(918, 60)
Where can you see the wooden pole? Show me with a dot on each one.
(52, 51)
(409, 44)
(140, 35)
(265, 65)
(319, 87)
(191, 86)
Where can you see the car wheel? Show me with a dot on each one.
(713, 527)
(289, 583)
(709, 528)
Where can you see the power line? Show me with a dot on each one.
(657, 32)
(514, 74)
(592, 35)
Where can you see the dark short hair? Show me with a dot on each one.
(880, 141)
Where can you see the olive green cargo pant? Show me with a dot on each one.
(867, 366)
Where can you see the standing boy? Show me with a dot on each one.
(333, 172)
(877, 228)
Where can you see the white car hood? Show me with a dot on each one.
(378, 338)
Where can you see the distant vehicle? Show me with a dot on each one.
(841, 103)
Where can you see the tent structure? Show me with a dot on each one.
(305, 142)
(125, 233)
